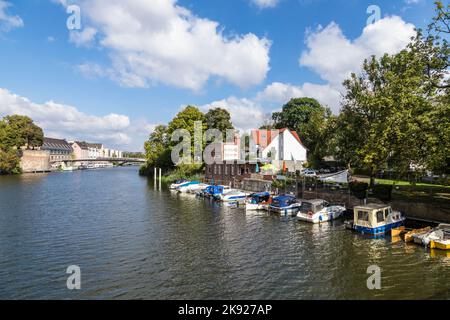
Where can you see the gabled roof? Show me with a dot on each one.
(264, 138)
(56, 144)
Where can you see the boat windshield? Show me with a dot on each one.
(306, 207)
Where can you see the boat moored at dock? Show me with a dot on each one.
(376, 219)
(317, 211)
(232, 196)
(286, 205)
(258, 201)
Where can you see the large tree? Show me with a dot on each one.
(396, 112)
(296, 113)
(157, 148)
(219, 119)
(21, 131)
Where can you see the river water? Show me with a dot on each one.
(134, 242)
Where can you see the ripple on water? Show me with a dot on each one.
(134, 242)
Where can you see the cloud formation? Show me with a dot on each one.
(63, 121)
(265, 3)
(8, 21)
(159, 41)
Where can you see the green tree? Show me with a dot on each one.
(219, 119)
(9, 162)
(21, 131)
(157, 148)
(296, 113)
(318, 134)
(396, 112)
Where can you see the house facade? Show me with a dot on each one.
(283, 148)
(59, 150)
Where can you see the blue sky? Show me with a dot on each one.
(135, 63)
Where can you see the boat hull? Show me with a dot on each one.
(378, 230)
(320, 217)
(255, 207)
(441, 245)
(285, 210)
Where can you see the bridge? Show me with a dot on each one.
(120, 160)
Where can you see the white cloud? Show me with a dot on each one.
(63, 121)
(246, 114)
(334, 57)
(84, 37)
(265, 3)
(412, 1)
(282, 92)
(159, 41)
(8, 21)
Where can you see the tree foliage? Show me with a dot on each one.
(16, 132)
(396, 112)
(219, 119)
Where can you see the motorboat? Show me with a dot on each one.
(258, 201)
(285, 204)
(185, 184)
(317, 211)
(178, 184)
(232, 196)
(215, 191)
(191, 188)
(376, 219)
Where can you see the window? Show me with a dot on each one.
(363, 215)
(380, 216)
(386, 213)
(232, 169)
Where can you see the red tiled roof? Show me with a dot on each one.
(257, 136)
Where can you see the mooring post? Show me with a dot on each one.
(160, 176)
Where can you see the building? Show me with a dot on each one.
(80, 150)
(282, 147)
(95, 150)
(59, 150)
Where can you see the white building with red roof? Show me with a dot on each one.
(281, 146)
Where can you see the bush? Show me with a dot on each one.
(359, 189)
(9, 162)
(382, 192)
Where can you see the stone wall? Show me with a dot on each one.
(35, 161)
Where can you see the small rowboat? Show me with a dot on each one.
(409, 236)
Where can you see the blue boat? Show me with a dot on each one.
(285, 205)
(376, 219)
(258, 201)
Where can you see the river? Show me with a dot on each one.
(134, 242)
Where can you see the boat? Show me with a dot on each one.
(232, 196)
(258, 201)
(187, 188)
(318, 210)
(409, 236)
(177, 184)
(285, 204)
(214, 191)
(376, 219)
(184, 184)
(398, 232)
(439, 238)
(196, 188)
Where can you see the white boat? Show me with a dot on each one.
(285, 205)
(233, 196)
(192, 188)
(258, 202)
(376, 219)
(317, 211)
(178, 184)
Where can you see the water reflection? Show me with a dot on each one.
(134, 241)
